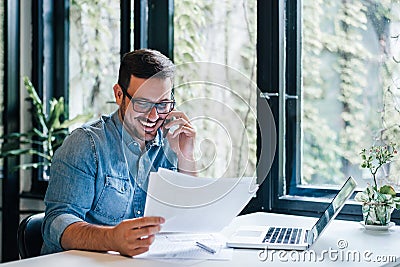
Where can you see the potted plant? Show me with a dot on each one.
(48, 133)
(378, 203)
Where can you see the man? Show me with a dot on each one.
(98, 180)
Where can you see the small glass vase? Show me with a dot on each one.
(377, 213)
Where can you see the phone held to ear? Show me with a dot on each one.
(172, 129)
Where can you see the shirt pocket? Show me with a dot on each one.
(114, 198)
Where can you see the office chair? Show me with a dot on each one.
(30, 238)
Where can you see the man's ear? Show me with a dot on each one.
(118, 94)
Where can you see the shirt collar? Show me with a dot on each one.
(117, 122)
(158, 140)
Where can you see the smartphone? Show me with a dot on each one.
(165, 131)
(172, 129)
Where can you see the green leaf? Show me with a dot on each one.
(55, 113)
(36, 102)
(14, 152)
(26, 166)
(39, 133)
(30, 141)
(364, 165)
(24, 151)
(13, 136)
(387, 189)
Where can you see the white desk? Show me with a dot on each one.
(359, 241)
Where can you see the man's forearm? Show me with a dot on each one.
(130, 237)
(85, 236)
(187, 165)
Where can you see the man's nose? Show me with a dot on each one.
(153, 114)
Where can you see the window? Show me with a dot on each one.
(340, 94)
(94, 56)
(349, 92)
(218, 34)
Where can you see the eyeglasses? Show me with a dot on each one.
(143, 106)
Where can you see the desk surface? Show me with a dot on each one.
(345, 243)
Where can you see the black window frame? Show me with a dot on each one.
(50, 68)
(301, 200)
(11, 118)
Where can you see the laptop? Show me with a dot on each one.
(291, 238)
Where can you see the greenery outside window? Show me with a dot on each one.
(221, 33)
(349, 91)
(340, 95)
(94, 56)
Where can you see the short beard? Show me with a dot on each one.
(122, 110)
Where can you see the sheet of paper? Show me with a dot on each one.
(183, 246)
(193, 204)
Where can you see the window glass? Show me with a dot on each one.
(349, 96)
(94, 55)
(218, 33)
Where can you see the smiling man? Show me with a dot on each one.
(98, 180)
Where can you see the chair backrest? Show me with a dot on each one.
(30, 238)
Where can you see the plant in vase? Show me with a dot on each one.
(378, 203)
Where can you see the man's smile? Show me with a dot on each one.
(148, 124)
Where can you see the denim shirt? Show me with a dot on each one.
(100, 175)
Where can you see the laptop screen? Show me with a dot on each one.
(333, 210)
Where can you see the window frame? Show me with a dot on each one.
(11, 118)
(50, 72)
(285, 17)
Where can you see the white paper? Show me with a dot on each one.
(183, 246)
(194, 204)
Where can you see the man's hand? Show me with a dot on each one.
(182, 140)
(134, 236)
(130, 237)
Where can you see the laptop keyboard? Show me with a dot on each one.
(280, 235)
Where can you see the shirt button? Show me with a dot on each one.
(138, 212)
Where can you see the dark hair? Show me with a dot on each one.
(144, 63)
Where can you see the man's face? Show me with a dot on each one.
(143, 125)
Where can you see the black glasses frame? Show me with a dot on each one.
(153, 104)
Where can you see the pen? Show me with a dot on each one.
(206, 248)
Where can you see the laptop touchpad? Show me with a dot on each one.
(248, 233)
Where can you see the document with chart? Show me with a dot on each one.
(185, 246)
(196, 204)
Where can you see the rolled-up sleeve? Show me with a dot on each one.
(71, 190)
